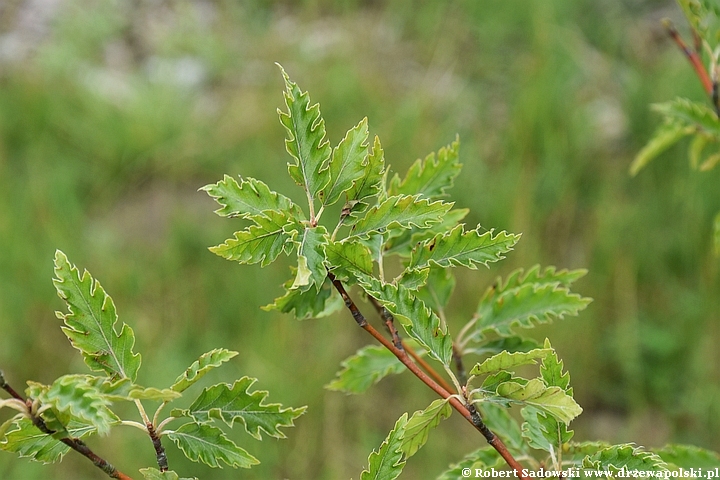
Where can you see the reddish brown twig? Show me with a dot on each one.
(693, 56)
(468, 412)
(74, 443)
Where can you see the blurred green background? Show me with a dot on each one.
(114, 113)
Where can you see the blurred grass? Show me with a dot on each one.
(118, 112)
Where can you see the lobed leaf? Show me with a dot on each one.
(368, 185)
(430, 177)
(73, 395)
(90, 323)
(402, 242)
(625, 457)
(345, 258)
(688, 456)
(544, 432)
(364, 369)
(154, 394)
(401, 211)
(552, 373)
(460, 248)
(505, 360)
(207, 361)
(413, 279)
(209, 445)
(347, 163)
(535, 393)
(308, 302)
(306, 141)
(418, 427)
(27, 440)
(311, 258)
(231, 403)
(387, 462)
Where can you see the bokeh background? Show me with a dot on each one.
(113, 113)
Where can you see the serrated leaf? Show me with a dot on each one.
(401, 242)
(481, 459)
(460, 248)
(576, 451)
(154, 394)
(262, 242)
(73, 395)
(26, 440)
(311, 258)
(491, 382)
(413, 279)
(209, 445)
(535, 393)
(543, 431)
(248, 199)
(537, 276)
(624, 457)
(345, 258)
(347, 163)
(505, 360)
(685, 112)
(387, 462)
(306, 141)
(418, 427)
(419, 321)
(90, 323)
(664, 137)
(231, 403)
(368, 185)
(207, 361)
(499, 420)
(430, 177)
(552, 373)
(364, 369)
(438, 288)
(308, 302)
(688, 456)
(525, 306)
(402, 211)
(155, 474)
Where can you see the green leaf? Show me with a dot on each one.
(306, 141)
(510, 344)
(664, 137)
(419, 321)
(209, 445)
(537, 276)
(258, 243)
(73, 395)
(505, 360)
(346, 257)
(413, 279)
(526, 305)
(688, 456)
(364, 369)
(704, 16)
(231, 403)
(544, 432)
(481, 459)
(418, 427)
(387, 462)
(577, 451)
(401, 242)
(499, 420)
(691, 114)
(347, 163)
(460, 248)
(311, 258)
(308, 302)
(535, 393)
(90, 323)
(400, 212)
(27, 441)
(248, 199)
(207, 361)
(154, 394)
(155, 474)
(624, 457)
(368, 185)
(430, 177)
(552, 373)
(438, 288)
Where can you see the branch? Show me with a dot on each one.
(162, 460)
(74, 443)
(468, 412)
(692, 56)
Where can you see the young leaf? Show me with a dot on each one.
(152, 393)
(664, 137)
(230, 403)
(311, 258)
(27, 440)
(90, 323)
(413, 279)
(552, 373)
(368, 185)
(387, 463)
(418, 320)
(481, 459)
(688, 113)
(418, 427)
(262, 242)
(505, 360)
(552, 400)
(248, 199)
(308, 302)
(155, 474)
(306, 140)
(344, 258)
(688, 456)
(346, 165)
(402, 211)
(402, 242)
(525, 305)
(206, 362)
(624, 457)
(73, 395)
(364, 369)
(460, 248)
(209, 445)
(544, 432)
(431, 177)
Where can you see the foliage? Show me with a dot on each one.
(56, 416)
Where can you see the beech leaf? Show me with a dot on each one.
(207, 361)
(387, 462)
(209, 445)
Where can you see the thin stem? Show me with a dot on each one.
(468, 412)
(160, 455)
(429, 369)
(130, 423)
(692, 56)
(74, 443)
